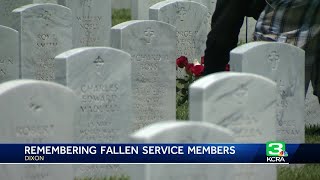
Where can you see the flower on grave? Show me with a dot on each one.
(194, 69)
(182, 62)
(193, 72)
(197, 69)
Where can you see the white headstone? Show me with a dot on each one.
(9, 54)
(243, 103)
(122, 4)
(312, 108)
(38, 112)
(91, 22)
(211, 5)
(180, 133)
(6, 8)
(101, 78)
(45, 31)
(190, 19)
(284, 64)
(152, 46)
(140, 8)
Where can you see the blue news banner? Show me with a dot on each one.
(271, 152)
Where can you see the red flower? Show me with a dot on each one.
(189, 68)
(182, 62)
(202, 60)
(228, 67)
(197, 70)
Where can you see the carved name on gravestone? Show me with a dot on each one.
(101, 78)
(190, 20)
(45, 31)
(9, 54)
(38, 112)
(284, 64)
(140, 8)
(235, 101)
(180, 133)
(6, 8)
(152, 47)
(91, 22)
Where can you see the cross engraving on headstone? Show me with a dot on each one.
(240, 93)
(149, 35)
(274, 59)
(182, 13)
(46, 16)
(99, 61)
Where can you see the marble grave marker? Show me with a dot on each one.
(243, 103)
(211, 5)
(101, 78)
(140, 8)
(38, 112)
(6, 8)
(181, 132)
(91, 22)
(9, 54)
(45, 31)
(284, 64)
(192, 29)
(152, 45)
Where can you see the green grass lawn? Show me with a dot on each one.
(120, 15)
(307, 172)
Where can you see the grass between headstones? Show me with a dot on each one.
(120, 16)
(307, 172)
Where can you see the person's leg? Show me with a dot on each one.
(226, 23)
(313, 47)
(223, 37)
(315, 78)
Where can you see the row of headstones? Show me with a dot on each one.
(139, 10)
(47, 113)
(47, 30)
(90, 19)
(152, 66)
(102, 91)
(99, 74)
(102, 76)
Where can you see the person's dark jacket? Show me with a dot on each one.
(225, 27)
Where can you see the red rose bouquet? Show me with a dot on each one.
(193, 72)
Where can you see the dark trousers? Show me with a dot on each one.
(225, 27)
